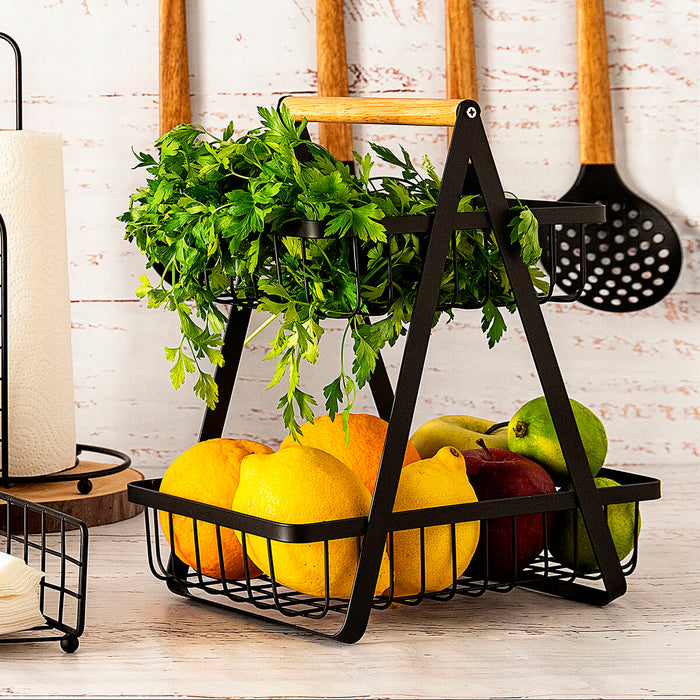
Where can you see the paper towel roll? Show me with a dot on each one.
(40, 373)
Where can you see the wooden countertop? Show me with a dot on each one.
(143, 641)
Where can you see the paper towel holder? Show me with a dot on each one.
(83, 477)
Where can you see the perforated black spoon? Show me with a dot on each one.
(634, 259)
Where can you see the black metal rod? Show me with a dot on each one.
(225, 376)
(408, 383)
(550, 376)
(382, 391)
(4, 401)
(18, 79)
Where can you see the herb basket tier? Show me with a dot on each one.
(469, 168)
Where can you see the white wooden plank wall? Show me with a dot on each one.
(91, 73)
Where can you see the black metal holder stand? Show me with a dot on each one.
(469, 164)
(83, 479)
(40, 546)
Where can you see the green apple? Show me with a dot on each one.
(461, 432)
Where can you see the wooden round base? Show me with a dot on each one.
(106, 503)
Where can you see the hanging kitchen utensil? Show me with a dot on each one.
(174, 78)
(634, 259)
(173, 73)
(332, 67)
(460, 66)
(460, 62)
(333, 74)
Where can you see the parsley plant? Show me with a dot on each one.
(211, 220)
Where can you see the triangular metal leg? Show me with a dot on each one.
(470, 155)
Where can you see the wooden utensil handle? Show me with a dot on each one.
(417, 111)
(596, 141)
(332, 73)
(460, 54)
(174, 78)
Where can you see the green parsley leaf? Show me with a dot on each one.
(492, 323)
(525, 230)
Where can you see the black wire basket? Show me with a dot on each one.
(59, 548)
(469, 168)
(290, 269)
(264, 595)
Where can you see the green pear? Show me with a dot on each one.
(461, 432)
(531, 433)
(569, 542)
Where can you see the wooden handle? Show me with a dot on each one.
(174, 78)
(332, 73)
(460, 54)
(417, 111)
(596, 140)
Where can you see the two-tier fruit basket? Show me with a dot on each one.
(469, 168)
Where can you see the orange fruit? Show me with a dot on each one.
(208, 472)
(362, 453)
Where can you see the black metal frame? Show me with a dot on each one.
(31, 529)
(18, 78)
(82, 478)
(469, 163)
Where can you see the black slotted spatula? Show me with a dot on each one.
(634, 259)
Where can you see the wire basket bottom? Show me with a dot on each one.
(264, 594)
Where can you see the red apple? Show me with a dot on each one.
(496, 473)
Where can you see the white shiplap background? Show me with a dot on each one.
(91, 72)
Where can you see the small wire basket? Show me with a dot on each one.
(289, 250)
(56, 544)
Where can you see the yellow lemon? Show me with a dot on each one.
(300, 485)
(438, 481)
(208, 472)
